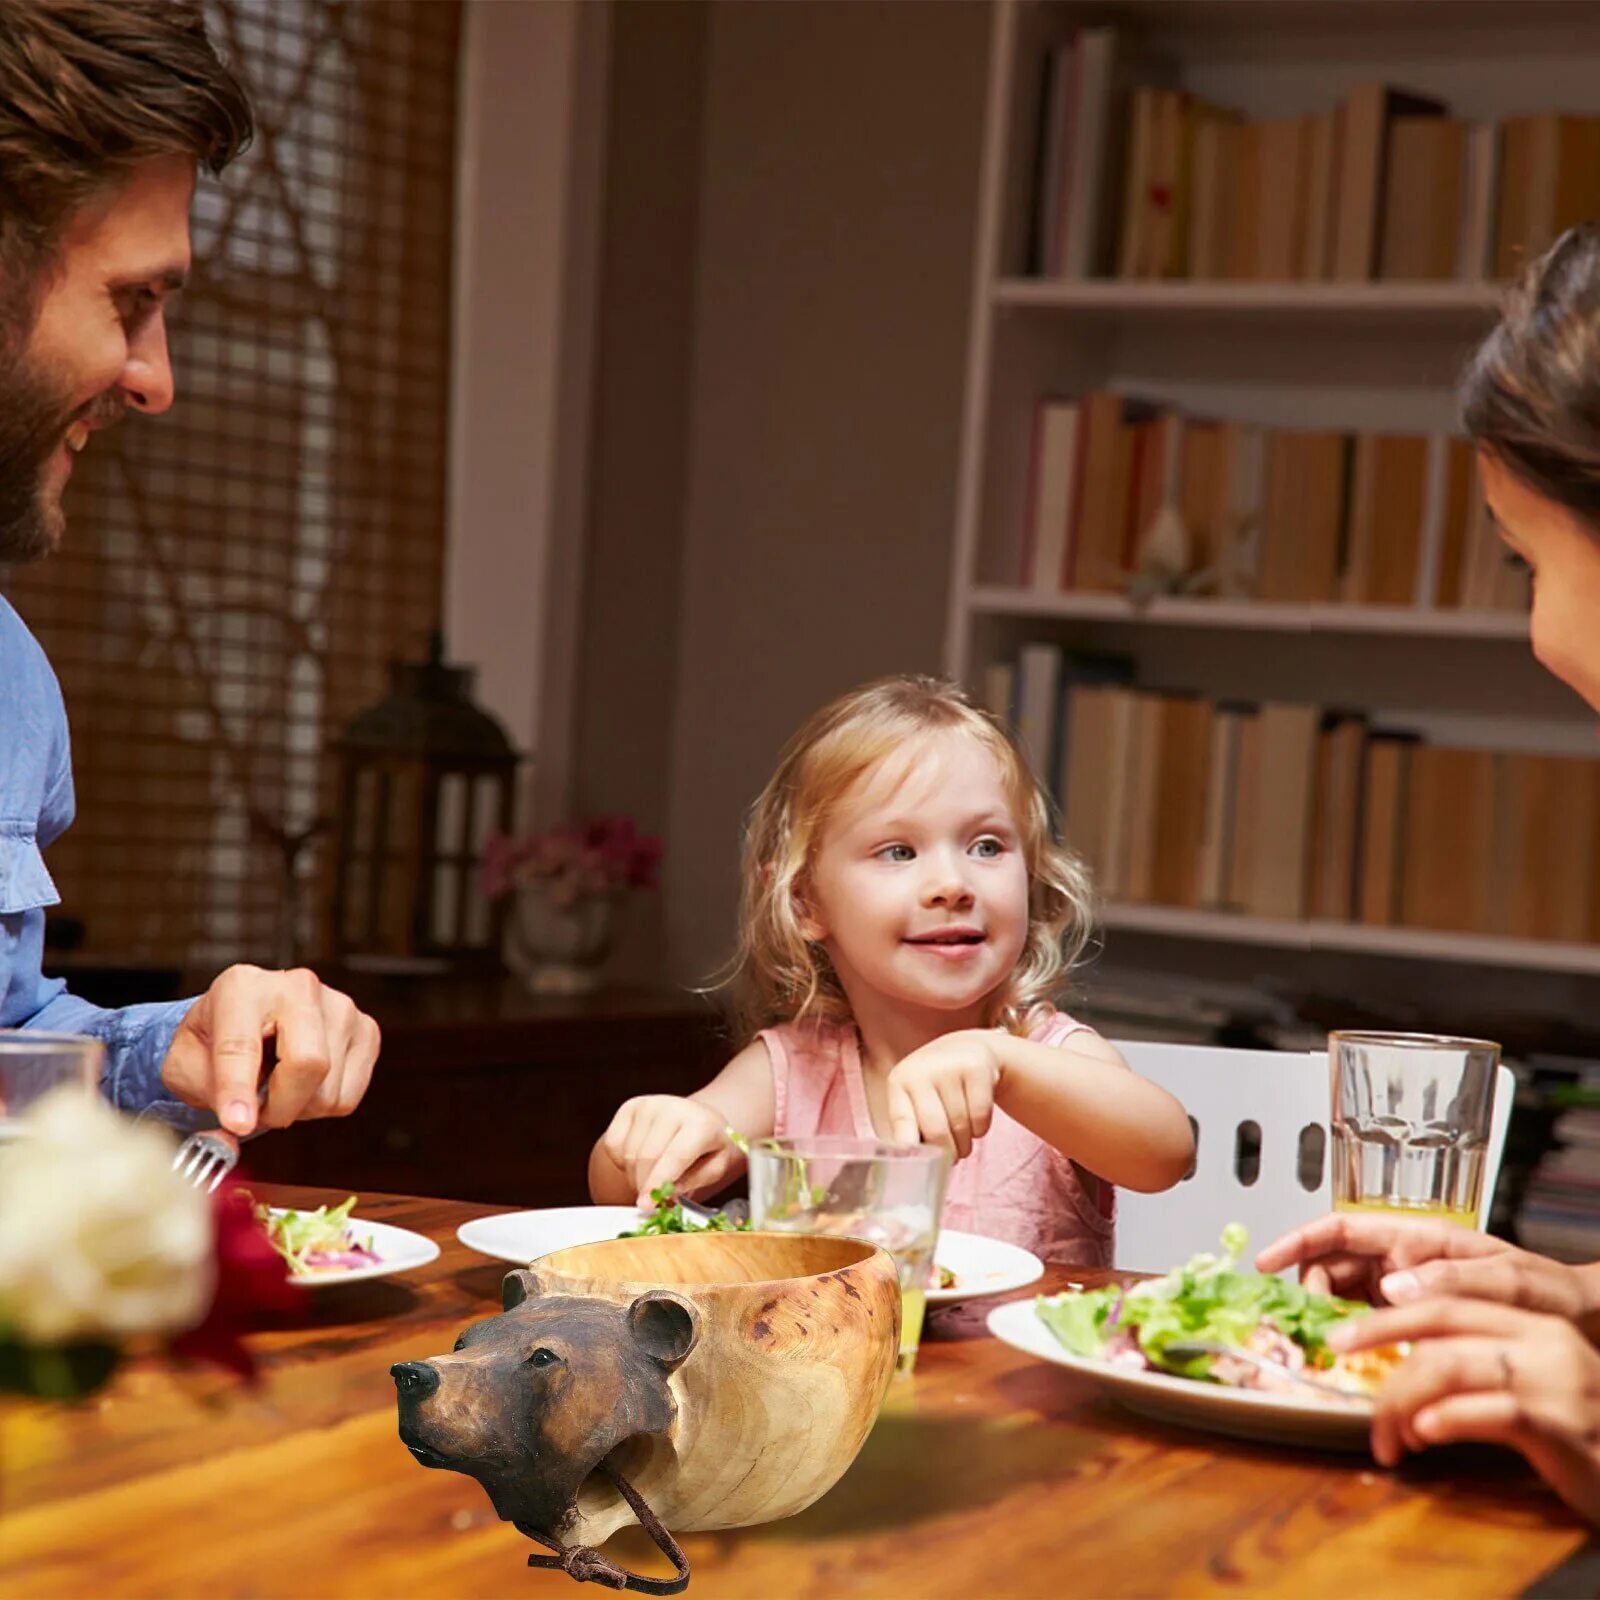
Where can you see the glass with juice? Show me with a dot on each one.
(1410, 1118)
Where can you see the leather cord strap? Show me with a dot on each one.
(584, 1564)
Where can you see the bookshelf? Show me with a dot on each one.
(1252, 615)
(1454, 309)
(1350, 356)
(1315, 934)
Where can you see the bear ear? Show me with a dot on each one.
(665, 1326)
(518, 1286)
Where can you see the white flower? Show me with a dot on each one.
(98, 1235)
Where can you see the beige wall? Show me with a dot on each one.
(527, 237)
(803, 352)
(628, 644)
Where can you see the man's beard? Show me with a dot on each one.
(34, 419)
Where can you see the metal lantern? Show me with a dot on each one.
(426, 778)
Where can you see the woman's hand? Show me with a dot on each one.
(1367, 1255)
(657, 1139)
(1492, 1374)
(943, 1093)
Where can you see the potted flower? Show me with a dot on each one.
(568, 884)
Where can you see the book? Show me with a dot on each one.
(1280, 198)
(1037, 688)
(1382, 828)
(1217, 825)
(1550, 179)
(1143, 802)
(1365, 119)
(1106, 72)
(1053, 142)
(1245, 832)
(1459, 491)
(1320, 176)
(1422, 198)
(1449, 831)
(1546, 829)
(1185, 752)
(999, 691)
(1388, 490)
(1050, 493)
(1085, 782)
(1337, 796)
(1281, 809)
(1479, 192)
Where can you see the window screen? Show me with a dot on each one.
(237, 574)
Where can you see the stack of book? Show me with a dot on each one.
(1261, 513)
(1560, 1212)
(1293, 811)
(1139, 178)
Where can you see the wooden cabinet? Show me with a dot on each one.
(485, 1092)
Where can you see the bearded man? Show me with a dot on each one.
(107, 110)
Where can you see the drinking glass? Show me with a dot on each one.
(887, 1194)
(1411, 1122)
(34, 1062)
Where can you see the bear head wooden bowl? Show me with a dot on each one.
(731, 1378)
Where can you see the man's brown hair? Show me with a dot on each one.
(89, 89)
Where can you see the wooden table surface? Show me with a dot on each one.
(989, 1474)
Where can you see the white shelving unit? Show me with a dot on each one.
(1353, 356)
(1250, 615)
(1476, 949)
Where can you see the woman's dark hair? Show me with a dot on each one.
(1531, 394)
(89, 89)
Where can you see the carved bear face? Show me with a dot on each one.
(531, 1401)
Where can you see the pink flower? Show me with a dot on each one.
(604, 856)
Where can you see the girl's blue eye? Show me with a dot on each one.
(987, 849)
(898, 852)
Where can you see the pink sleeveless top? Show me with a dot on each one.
(1012, 1186)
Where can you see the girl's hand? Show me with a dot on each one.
(665, 1138)
(1494, 1374)
(1377, 1258)
(944, 1093)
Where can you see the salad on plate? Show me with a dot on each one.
(318, 1242)
(670, 1217)
(1131, 1326)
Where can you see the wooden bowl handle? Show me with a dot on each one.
(585, 1564)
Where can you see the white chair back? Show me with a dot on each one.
(1261, 1156)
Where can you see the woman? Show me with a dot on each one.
(1503, 1336)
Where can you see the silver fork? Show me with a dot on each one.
(205, 1159)
(736, 1211)
(1189, 1349)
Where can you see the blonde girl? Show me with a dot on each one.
(907, 916)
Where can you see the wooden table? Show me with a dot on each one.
(989, 1474)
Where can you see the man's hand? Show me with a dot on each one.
(1490, 1373)
(944, 1092)
(326, 1049)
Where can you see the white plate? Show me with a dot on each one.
(1244, 1413)
(399, 1250)
(982, 1266)
(522, 1236)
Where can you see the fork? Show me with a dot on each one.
(205, 1159)
(736, 1211)
(1190, 1349)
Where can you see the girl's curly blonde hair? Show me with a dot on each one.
(776, 973)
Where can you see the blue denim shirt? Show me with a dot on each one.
(36, 808)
